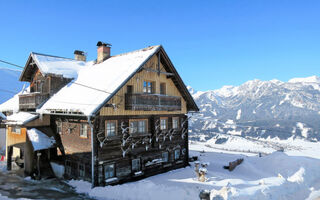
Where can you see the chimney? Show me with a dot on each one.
(103, 51)
(80, 55)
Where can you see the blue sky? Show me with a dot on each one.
(211, 43)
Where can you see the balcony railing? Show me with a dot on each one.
(150, 102)
(32, 100)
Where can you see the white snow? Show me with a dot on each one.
(105, 77)
(238, 114)
(274, 176)
(311, 79)
(40, 140)
(66, 67)
(227, 91)
(20, 118)
(298, 176)
(234, 132)
(303, 129)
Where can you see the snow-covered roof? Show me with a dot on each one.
(66, 67)
(96, 83)
(40, 140)
(20, 118)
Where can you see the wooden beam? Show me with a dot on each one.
(153, 70)
(159, 64)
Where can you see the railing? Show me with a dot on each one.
(149, 102)
(32, 100)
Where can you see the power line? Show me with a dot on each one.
(71, 82)
(8, 91)
(11, 64)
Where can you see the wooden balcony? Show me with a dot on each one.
(31, 101)
(152, 102)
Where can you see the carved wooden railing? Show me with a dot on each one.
(150, 102)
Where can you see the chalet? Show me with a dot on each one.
(111, 120)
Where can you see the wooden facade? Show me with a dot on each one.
(142, 130)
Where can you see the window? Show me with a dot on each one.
(109, 171)
(165, 156)
(59, 128)
(68, 167)
(129, 89)
(148, 87)
(175, 122)
(16, 129)
(164, 123)
(84, 130)
(81, 168)
(111, 128)
(163, 88)
(136, 165)
(100, 172)
(176, 154)
(138, 126)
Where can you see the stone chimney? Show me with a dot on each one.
(80, 55)
(103, 51)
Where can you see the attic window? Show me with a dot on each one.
(148, 87)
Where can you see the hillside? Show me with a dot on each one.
(260, 109)
(9, 81)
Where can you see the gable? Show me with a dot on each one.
(150, 72)
(29, 70)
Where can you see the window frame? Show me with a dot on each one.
(128, 91)
(105, 167)
(138, 132)
(139, 165)
(83, 129)
(15, 128)
(81, 174)
(177, 119)
(167, 157)
(166, 124)
(115, 128)
(148, 87)
(59, 127)
(163, 90)
(68, 168)
(175, 154)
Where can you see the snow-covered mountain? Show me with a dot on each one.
(260, 109)
(9, 83)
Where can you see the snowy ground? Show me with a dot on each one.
(293, 174)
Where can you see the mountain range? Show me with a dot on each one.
(259, 109)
